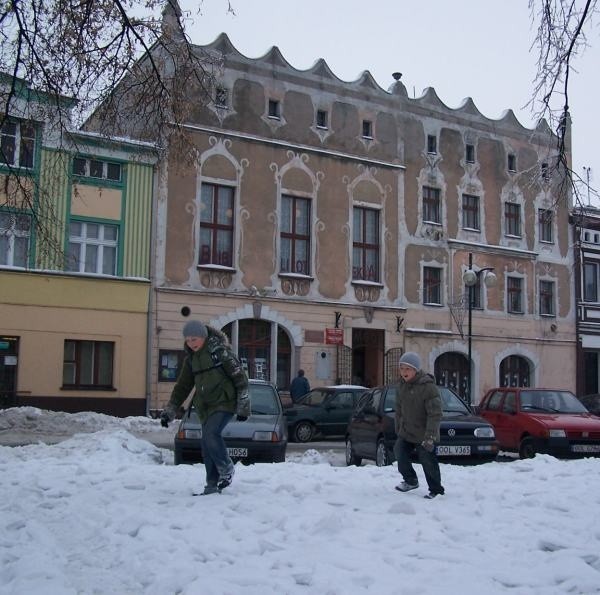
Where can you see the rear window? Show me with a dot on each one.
(551, 401)
(314, 397)
(263, 400)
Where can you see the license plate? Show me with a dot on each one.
(237, 452)
(585, 447)
(446, 451)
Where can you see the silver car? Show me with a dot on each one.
(262, 438)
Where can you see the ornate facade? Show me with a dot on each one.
(326, 225)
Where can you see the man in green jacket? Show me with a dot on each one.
(418, 416)
(221, 386)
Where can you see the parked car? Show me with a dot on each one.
(541, 420)
(324, 410)
(261, 438)
(371, 432)
(591, 403)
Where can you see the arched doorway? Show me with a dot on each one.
(451, 369)
(515, 371)
(256, 349)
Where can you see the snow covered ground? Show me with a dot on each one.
(106, 511)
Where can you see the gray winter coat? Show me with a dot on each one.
(418, 409)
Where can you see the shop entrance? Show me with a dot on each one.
(367, 356)
(9, 357)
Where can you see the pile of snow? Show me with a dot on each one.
(32, 419)
(108, 512)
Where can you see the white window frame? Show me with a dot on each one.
(18, 140)
(83, 242)
(426, 289)
(552, 312)
(11, 232)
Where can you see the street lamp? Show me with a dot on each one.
(470, 278)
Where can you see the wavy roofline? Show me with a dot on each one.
(429, 96)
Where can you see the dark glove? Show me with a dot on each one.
(167, 415)
(428, 444)
(242, 410)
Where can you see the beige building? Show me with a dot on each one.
(327, 225)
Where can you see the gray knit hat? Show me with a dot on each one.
(195, 328)
(410, 358)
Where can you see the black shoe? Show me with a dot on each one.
(405, 486)
(207, 491)
(432, 495)
(224, 481)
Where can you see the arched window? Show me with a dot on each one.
(515, 371)
(256, 351)
(452, 370)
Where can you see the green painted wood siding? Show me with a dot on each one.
(137, 220)
(52, 195)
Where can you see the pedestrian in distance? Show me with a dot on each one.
(299, 387)
(418, 416)
(221, 384)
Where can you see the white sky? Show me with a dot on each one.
(109, 513)
(464, 48)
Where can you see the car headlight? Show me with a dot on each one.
(265, 437)
(557, 434)
(485, 432)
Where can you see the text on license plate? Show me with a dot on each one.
(585, 447)
(237, 452)
(458, 450)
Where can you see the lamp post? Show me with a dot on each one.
(470, 278)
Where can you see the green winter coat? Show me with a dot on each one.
(418, 409)
(217, 376)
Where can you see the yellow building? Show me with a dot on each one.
(75, 227)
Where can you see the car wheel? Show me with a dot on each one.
(527, 448)
(303, 431)
(178, 460)
(351, 458)
(382, 456)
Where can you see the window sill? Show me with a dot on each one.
(216, 267)
(366, 283)
(87, 387)
(513, 237)
(296, 276)
(473, 229)
(544, 315)
(437, 223)
(433, 305)
(516, 313)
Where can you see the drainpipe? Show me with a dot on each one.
(151, 293)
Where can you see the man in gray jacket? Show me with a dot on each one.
(418, 416)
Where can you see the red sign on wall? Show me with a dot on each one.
(334, 336)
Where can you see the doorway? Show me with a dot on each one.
(9, 358)
(367, 356)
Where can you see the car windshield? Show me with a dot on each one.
(551, 401)
(263, 400)
(452, 403)
(314, 397)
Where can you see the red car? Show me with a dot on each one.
(541, 420)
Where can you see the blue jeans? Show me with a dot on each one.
(214, 451)
(403, 450)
